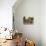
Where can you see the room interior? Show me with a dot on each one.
(22, 23)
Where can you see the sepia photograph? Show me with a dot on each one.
(28, 20)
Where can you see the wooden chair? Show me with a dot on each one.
(29, 43)
(18, 39)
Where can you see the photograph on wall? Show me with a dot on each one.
(28, 20)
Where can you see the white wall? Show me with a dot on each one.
(43, 22)
(29, 8)
(6, 13)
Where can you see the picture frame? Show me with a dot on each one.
(28, 20)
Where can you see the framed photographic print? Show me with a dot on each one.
(28, 20)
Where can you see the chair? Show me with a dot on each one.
(29, 43)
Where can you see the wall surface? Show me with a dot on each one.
(29, 8)
(43, 22)
(6, 13)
